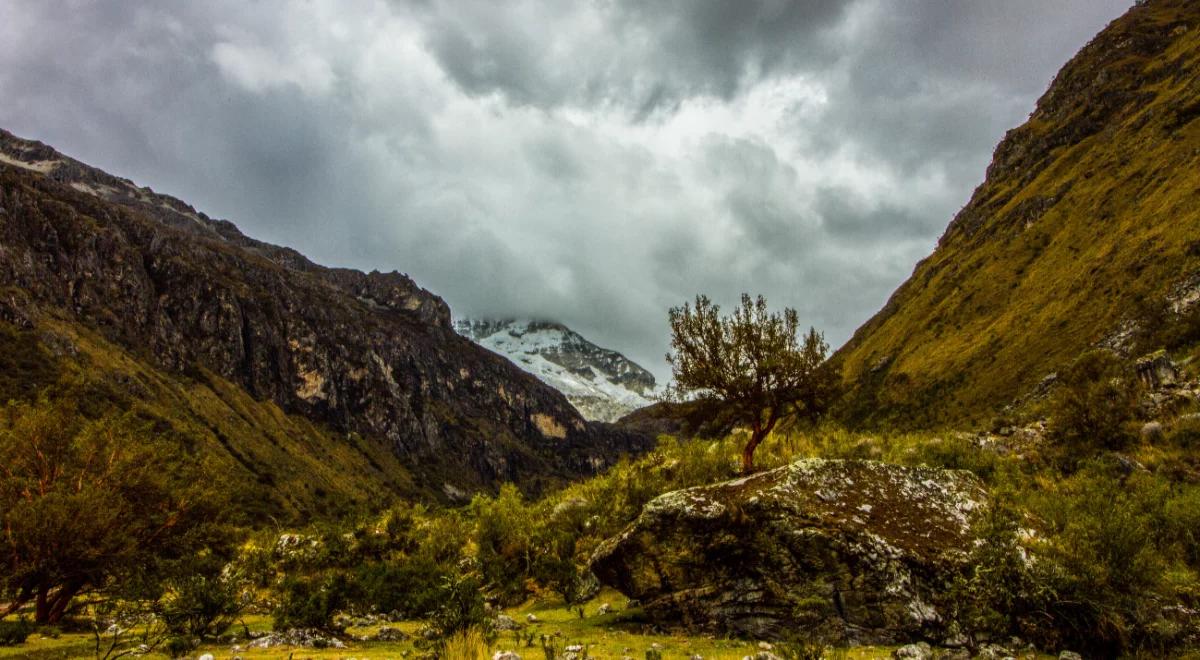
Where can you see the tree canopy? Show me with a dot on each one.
(754, 364)
(83, 502)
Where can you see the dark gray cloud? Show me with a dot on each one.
(593, 162)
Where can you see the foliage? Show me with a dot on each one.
(201, 602)
(14, 633)
(1094, 405)
(311, 601)
(461, 606)
(753, 364)
(85, 501)
(410, 587)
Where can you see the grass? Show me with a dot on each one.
(610, 636)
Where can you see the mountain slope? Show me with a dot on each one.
(601, 383)
(1086, 231)
(373, 355)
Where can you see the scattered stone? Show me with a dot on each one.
(506, 655)
(1152, 431)
(390, 634)
(770, 534)
(306, 637)
(531, 618)
(762, 655)
(918, 651)
(206, 656)
(1069, 655)
(504, 622)
(604, 609)
(993, 652)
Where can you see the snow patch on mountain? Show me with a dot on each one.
(601, 383)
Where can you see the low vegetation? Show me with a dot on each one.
(1098, 553)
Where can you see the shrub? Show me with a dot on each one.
(1094, 404)
(310, 602)
(199, 606)
(1185, 432)
(1103, 566)
(410, 586)
(14, 633)
(461, 606)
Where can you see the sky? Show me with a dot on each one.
(593, 162)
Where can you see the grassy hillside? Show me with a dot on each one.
(275, 465)
(1088, 220)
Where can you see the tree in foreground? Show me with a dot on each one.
(91, 505)
(753, 364)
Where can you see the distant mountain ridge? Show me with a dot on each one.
(120, 284)
(1085, 233)
(601, 383)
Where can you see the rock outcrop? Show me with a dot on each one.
(366, 353)
(859, 546)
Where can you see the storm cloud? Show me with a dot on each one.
(594, 162)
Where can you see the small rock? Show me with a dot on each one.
(1152, 431)
(918, 651)
(206, 656)
(531, 617)
(993, 652)
(504, 622)
(956, 641)
(390, 634)
(765, 646)
(506, 655)
(604, 609)
(1069, 655)
(762, 655)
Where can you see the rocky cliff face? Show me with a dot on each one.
(1085, 232)
(859, 547)
(370, 353)
(601, 383)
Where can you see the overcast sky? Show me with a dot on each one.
(595, 162)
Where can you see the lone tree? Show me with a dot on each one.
(89, 505)
(754, 365)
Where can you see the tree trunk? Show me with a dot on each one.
(62, 598)
(756, 438)
(42, 610)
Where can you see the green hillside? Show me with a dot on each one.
(1085, 232)
(272, 464)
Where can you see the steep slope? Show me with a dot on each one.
(601, 383)
(1086, 231)
(370, 355)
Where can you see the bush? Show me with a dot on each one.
(461, 606)
(200, 606)
(1095, 402)
(311, 602)
(1103, 564)
(1185, 432)
(409, 586)
(14, 633)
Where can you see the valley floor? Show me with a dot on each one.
(610, 636)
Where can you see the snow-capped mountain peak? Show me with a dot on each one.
(603, 384)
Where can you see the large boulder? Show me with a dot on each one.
(859, 547)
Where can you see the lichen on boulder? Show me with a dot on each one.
(858, 547)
